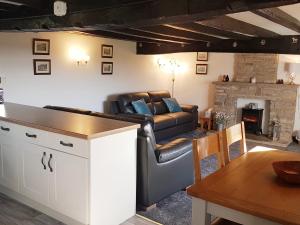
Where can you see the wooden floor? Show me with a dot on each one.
(138, 220)
(15, 213)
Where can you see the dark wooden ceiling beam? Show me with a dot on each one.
(132, 37)
(230, 24)
(280, 45)
(143, 13)
(196, 27)
(280, 17)
(173, 32)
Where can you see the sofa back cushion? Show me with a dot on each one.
(159, 107)
(125, 101)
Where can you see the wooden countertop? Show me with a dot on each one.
(70, 124)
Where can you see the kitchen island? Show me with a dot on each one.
(76, 168)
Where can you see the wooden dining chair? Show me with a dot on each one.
(205, 147)
(231, 135)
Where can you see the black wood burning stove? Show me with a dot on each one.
(253, 120)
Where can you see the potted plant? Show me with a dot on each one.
(221, 120)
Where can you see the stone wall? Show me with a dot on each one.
(282, 99)
(262, 66)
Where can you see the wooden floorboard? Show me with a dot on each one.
(15, 213)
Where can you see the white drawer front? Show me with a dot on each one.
(71, 145)
(31, 135)
(7, 128)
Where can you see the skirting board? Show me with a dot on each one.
(20, 198)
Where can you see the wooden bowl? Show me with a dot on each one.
(288, 171)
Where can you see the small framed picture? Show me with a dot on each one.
(41, 47)
(42, 66)
(201, 69)
(107, 51)
(107, 68)
(202, 56)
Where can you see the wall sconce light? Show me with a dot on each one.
(79, 56)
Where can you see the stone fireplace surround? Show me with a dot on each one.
(282, 97)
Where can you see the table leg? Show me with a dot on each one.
(199, 212)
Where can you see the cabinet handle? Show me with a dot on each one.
(31, 135)
(5, 129)
(49, 163)
(44, 155)
(66, 144)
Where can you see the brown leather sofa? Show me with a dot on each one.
(164, 123)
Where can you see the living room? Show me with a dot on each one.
(76, 80)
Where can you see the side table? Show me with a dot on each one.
(205, 122)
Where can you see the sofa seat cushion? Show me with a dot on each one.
(181, 117)
(173, 149)
(163, 121)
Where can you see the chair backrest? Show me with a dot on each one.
(204, 147)
(232, 135)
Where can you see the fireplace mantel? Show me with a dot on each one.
(282, 97)
(289, 86)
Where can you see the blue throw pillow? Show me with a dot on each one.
(141, 107)
(172, 105)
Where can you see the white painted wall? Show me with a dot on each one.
(84, 86)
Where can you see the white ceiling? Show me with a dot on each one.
(293, 10)
(259, 21)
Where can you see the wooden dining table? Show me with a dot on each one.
(247, 191)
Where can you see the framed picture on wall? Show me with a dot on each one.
(202, 56)
(41, 47)
(107, 51)
(107, 68)
(201, 69)
(42, 66)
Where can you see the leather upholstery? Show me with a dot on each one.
(157, 180)
(147, 131)
(126, 99)
(163, 121)
(159, 108)
(157, 96)
(165, 124)
(189, 108)
(173, 149)
(181, 117)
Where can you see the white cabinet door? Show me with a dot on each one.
(9, 170)
(69, 185)
(35, 174)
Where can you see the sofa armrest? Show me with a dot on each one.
(139, 117)
(133, 118)
(189, 108)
